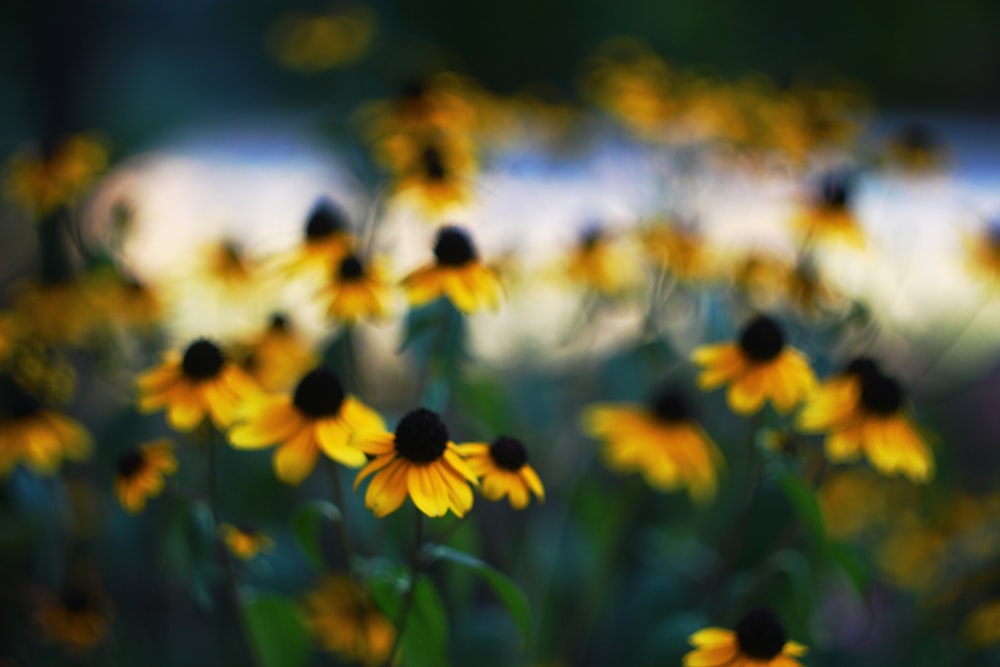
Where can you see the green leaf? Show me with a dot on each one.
(509, 593)
(306, 524)
(803, 500)
(425, 635)
(277, 631)
(852, 563)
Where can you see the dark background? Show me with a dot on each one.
(138, 68)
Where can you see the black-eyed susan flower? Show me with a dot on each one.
(679, 249)
(125, 301)
(141, 474)
(199, 382)
(983, 253)
(982, 626)
(600, 263)
(916, 149)
(863, 410)
(41, 184)
(245, 542)
(503, 470)
(762, 276)
(662, 441)
(759, 640)
(327, 240)
(78, 619)
(419, 460)
(279, 356)
(342, 617)
(457, 274)
(307, 42)
(355, 291)
(829, 216)
(56, 311)
(435, 177)
(35, 435)
(758, 367)
(318, 416)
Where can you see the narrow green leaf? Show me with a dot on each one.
(277, 631)
(509, 592)
(425, 642)
(803, 500)
(852, 563)
(307, 523)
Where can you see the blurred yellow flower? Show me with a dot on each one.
(355, 291)
(198, 383)
(982, 626)
(78, 619)
(758, 367)
(503, 470)
(41, 184)
(279, 356)
(457, 274)
(829, 217)
(600, 263)
(678, 249)
(862, 410)
(308, 43)
(57, 312)
(141, 473)
(341, 615)
(318, 416)
(327, 240)
(662, 441)
(244, 542)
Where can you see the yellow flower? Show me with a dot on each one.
(309, 43)
(982, 626)
(762, 276)
(829, 217)
(198, 383)
(35, 435)
(355, 292)
(861, 410)
(318, 416)
(434, 178)
(340, 614)
(983, 253)
(759, 640)
(42, 184)
(679, 249)
(662, 441)
(328, 239)
(503, 470)
(916, 149)
(125, 301)
(279, 356)
(601, 265)
(141, 474)
(418, 460)
(758, 367)
(457, 274)
(78, 619)
(55, 311)
(244, 542)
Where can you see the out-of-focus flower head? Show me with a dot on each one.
(40, 184)
(35, 435)
(327, 239)
(317, 42)
(432, 174)
(141, 472)
(758, 367)
(678, 247)
(662, 440)
(278, 356)
(603, 263)
(78, 618)
(245, 542)
(457, 273)
(56, 311)
(356, 291)
(342, 617)
(863, 410)
(758, 640)
(829, 216)
(983, 253)
(124, 301)
(319, 416)
(916, 149)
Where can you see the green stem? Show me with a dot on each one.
(416, 567)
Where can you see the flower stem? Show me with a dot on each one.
(416, 566)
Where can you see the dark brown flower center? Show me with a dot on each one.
(761, 635)
(454, 247)
(130, 463)
(433, 164)
(202, 360)
(421, 436)
(350, 269)
(881, 394)
(509, 453)
(278, 322)
(319, 394)
(325, 219)
(591, 238)
(835, 190)
(862, 367)
(77, 600)
(762, 339)
(18, 403)
(670, 406)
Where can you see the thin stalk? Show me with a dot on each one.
(416, 566)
